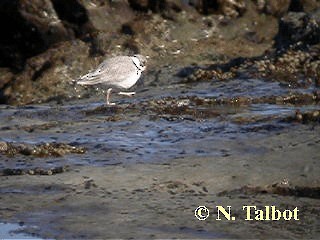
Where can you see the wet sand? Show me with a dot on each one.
(157, 200)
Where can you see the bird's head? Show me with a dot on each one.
(142, 61)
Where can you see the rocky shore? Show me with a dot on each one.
(227, 114)
(49, 43)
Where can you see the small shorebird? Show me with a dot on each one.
(118, 72)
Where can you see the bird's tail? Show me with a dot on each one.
(90, 78)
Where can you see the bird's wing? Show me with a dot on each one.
(109, 71)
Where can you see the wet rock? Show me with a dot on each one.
(44, 126)
(48, 75)
(6, 77)
(297, 68)
(280, 7)
(298, 27)
(10, 172)
(203, 75)
(105, 110)
(232, 8)
(34, 171)
(74, 16)
(145, 5)
(304, 5)
(274, 7)
(40, 150)
(227, 8)
(40, 49)
(293, 68)
(30, 27)
(3, 147)
(195, 108)
(298, 98)
(223, 71)
(305, 117)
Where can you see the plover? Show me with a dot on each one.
(120, 72)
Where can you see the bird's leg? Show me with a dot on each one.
(129, 94)
(108, 97)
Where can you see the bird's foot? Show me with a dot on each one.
(110, 103)
(129, 94)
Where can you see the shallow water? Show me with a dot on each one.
(14, 231)
(135, 133)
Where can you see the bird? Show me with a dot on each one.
(121, 72)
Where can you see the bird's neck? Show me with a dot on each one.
(136, 62)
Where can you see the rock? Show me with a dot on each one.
(3, 146)
(34, 171)
(73, 15)
(307, 117)
(281, 7)
(298, 27)
(157, 6)
(231, 8)
(49, 75)
(30, 27)
(40, 51)
(171, 32)
(274, 7)
(39, 150)
(304, 5)
(5, 77)
(145, 5)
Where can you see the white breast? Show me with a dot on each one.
(130, 81)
